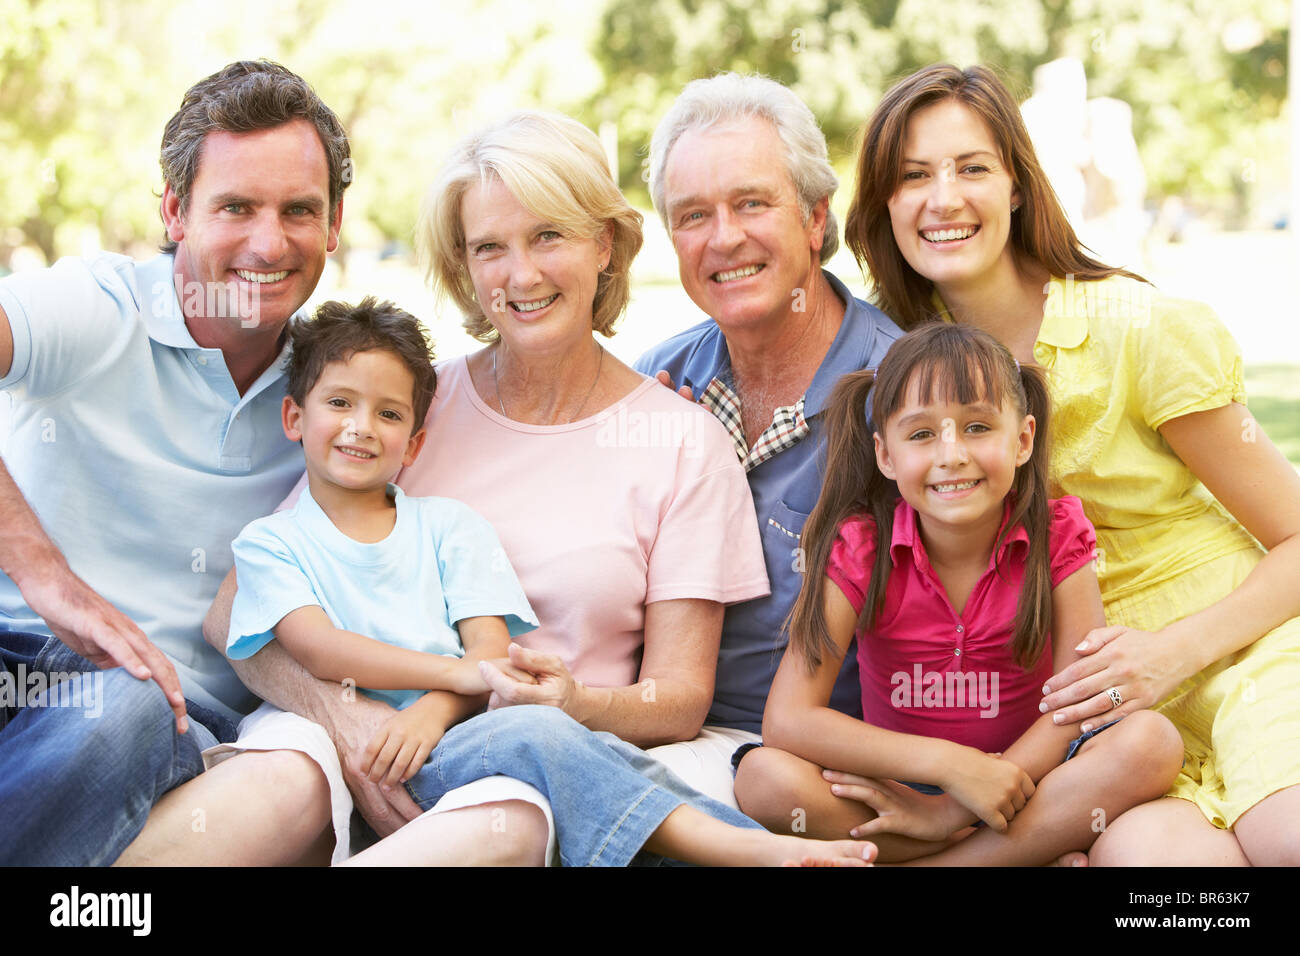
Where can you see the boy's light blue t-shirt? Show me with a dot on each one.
(442, 563)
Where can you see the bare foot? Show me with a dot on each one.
(801, 852)
(1074, 858)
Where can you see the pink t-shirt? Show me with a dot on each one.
(644, 502)
(926, 669)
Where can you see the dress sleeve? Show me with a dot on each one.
(271, 584)
(66, 321)
(852, 556)
(707, 544)
(1072, 540)
(1186, 361)
(477, 577)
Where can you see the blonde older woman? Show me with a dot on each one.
(620, 505)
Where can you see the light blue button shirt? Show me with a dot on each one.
(137, 452)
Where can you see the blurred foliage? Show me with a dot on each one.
(1205, 116)
(86, 86)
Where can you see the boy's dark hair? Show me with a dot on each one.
(964, 364)
(244, 97)
(338, 331)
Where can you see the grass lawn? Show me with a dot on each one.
(1273, 392)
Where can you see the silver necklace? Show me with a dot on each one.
(496, 383)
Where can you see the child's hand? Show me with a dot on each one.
(400, 747)
(899, 808)
(992, 789)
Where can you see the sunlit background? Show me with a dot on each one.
(1191, 183)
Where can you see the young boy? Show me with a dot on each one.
(419, 578)
(357, 581)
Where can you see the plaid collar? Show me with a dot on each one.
(787, 428)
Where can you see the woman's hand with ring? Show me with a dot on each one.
(1122, 670)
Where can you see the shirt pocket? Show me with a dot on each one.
(785, 556)
(784, 525)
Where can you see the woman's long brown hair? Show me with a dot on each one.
(959, 363)
(1040, 232)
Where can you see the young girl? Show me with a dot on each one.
(980, 592)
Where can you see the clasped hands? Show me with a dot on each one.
(976, 786)
(400, 747)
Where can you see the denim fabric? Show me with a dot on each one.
(1084, 737)
(76, 788)
(606, 795)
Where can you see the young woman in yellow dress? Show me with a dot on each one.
(1197, 513)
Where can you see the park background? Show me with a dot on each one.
(86, 87)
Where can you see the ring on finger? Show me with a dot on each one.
(1115, 699)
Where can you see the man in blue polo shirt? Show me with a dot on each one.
(145, 406)
(739, 174)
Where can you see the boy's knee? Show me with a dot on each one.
(518, 833)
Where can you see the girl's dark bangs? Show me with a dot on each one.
(960, 372)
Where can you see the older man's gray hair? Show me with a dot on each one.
(730, 96)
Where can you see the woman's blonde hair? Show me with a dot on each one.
(555, 167)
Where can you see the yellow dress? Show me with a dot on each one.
(1122, 361)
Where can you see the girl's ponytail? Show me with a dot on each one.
(852, 485)
(1031, 509)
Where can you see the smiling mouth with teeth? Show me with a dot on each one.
(260, 277)
(949, 235)
(535, 305)
(956, 486)
(355, 453)
(742, 273)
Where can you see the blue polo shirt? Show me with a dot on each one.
(785, 488)
(137, 453)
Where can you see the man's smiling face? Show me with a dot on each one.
(743, 244)
(258, 222)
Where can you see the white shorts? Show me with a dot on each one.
(269, 728)
(705, 762)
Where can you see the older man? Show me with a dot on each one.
(145, 433)
(739, 174)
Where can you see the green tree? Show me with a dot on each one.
(1206, 80)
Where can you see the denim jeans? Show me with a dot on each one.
(77, 782)
(606, 795)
